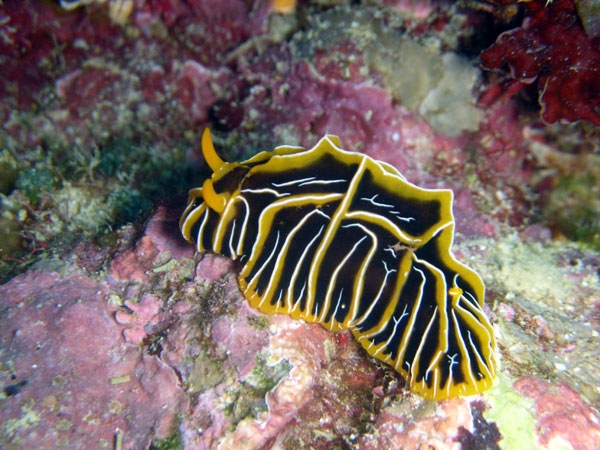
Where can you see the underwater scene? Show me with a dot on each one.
(300, 224)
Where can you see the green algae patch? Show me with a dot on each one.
(205, 373)
(171, 442)
(265, 377)
(246, 400)
(259, 322)
(8, 175)
(35, 183)
(11, 240)
(513, 415)
(573, 209)
(128, 205)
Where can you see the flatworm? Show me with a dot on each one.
(338, 238)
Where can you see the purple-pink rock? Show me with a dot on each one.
(561, 414)
(132, 338)
(78, 384)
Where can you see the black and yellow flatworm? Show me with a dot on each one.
(335, 237)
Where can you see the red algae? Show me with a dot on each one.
(553, 49)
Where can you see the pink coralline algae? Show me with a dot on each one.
(395, 427)
(77, 386)
(208, 29)
(364, 116)
(193, 89)
(293, 392)
(561, 415)
(552, 49)
(73, 63)
(30, 32)
(143, 316)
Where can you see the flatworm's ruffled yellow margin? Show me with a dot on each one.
(335, 237)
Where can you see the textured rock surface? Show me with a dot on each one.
(115, 332)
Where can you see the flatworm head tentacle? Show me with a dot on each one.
(213, 160)
(337, 238)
